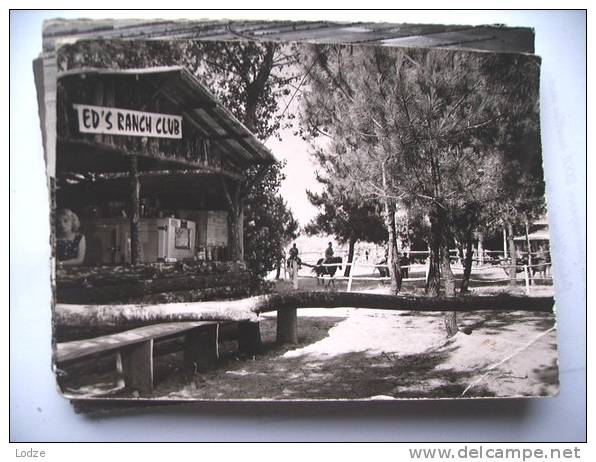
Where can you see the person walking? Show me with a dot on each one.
(294, 265)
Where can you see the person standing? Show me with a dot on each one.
(70, 242)
(294, 265)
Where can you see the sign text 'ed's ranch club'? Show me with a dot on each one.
(114, 121)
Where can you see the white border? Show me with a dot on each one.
(39, 413)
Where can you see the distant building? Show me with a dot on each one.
(538, 235)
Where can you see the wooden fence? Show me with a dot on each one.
(526, 269)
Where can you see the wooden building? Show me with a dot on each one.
(154, 167)
(197, 177)
(537, 237)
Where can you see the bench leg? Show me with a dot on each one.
(137, 366)
(200, 348)
(249, 337)
(287, 330)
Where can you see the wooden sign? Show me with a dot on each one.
(114, 121)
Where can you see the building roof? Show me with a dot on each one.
(542, 221)
(200, 108)
(540, 235)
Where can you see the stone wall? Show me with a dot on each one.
(154, 283)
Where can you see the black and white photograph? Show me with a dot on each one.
(267, 215)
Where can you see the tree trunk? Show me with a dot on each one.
(440, 273)
(467, 263)
(459, 246)
(393, 255)
(256, 88)
(351, 245)
(439, 251)
(529, 250)
(96, 320)
(134, 210)
(433, 282)
(235, 250)
(512, 255)
(235, 218)
(449, 284)
(451, 327)
(240, 237)
(480, 249)
(446, 274)
(278, 268)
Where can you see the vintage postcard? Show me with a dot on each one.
(297, 211)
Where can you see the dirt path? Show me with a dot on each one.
(360, 354)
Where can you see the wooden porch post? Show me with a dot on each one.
(235, 218)
(480, 250)
(249, 337)
(504, 241)
(241, 231)
(287, 326)
(135, 211)
(201, 347)
(137, 366)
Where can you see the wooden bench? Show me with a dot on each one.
(135, 348)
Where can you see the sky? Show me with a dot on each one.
(295, 151)
(300, 173)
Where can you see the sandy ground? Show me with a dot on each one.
(361, 354)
